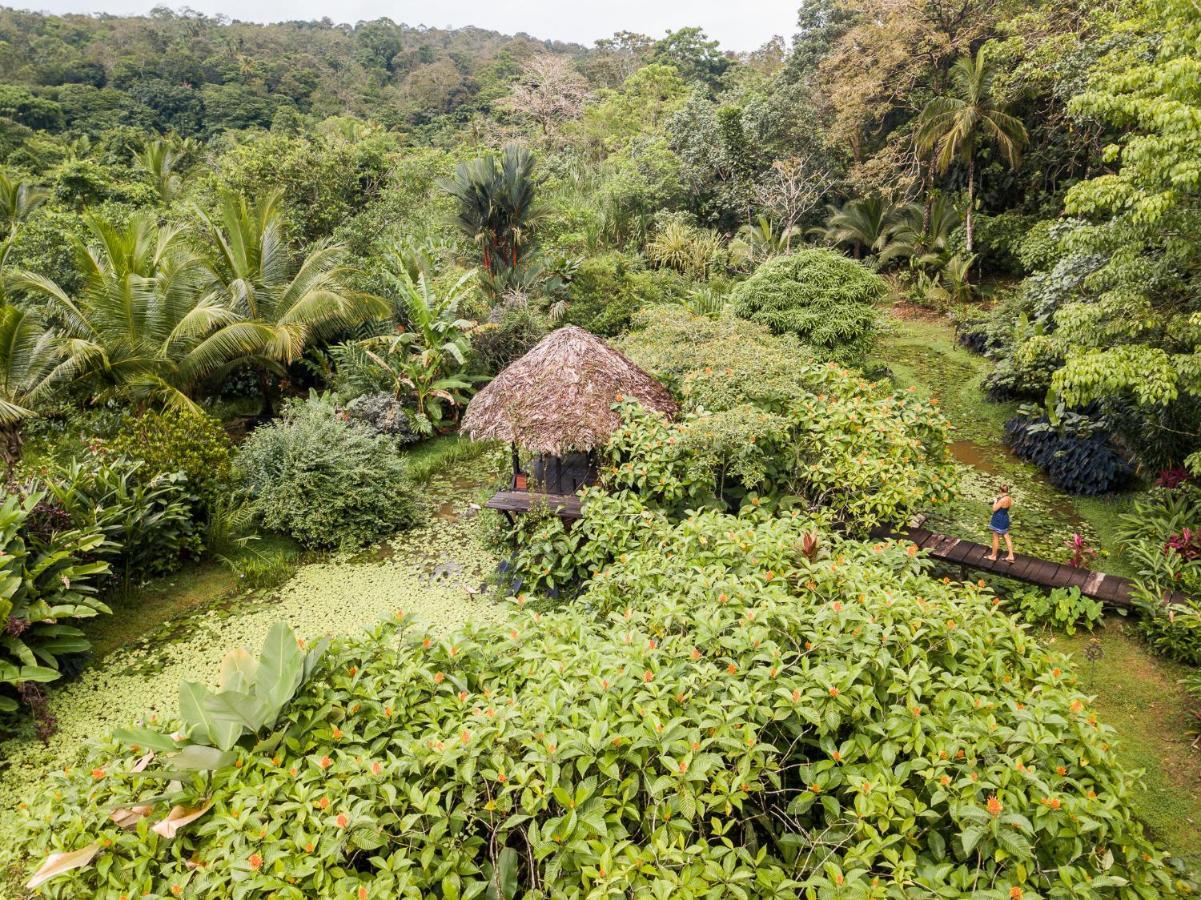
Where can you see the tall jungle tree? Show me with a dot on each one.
(953, 127)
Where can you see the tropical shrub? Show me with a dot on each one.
(689, 250)
(607, 290)
(47, 579)
(1078, 457)
(510, 333)
(385, 415)
(732, 724)
(1063, 609)
(1153, 538)
(147, 523)
(185, 441)
(999, 241)
(822, 297)
(324, 480)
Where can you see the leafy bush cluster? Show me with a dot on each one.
(1150, 536)
(47, 579)
(1077, 458)
(148, 524)
(385, 415)
(824, 298)
(608, 289)
(1063, 609)
(325, 480)
(189, 442)
(759, 710)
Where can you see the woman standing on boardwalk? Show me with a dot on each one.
(999, 524)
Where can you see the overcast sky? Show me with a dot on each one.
(738, 25)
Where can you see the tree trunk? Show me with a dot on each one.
(10, 447)
(971, 200)
(268, 410)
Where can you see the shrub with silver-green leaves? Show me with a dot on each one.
(47, 579)
(753, 710)
(325, 480)
(821, 296)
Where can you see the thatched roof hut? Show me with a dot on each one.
(558, 397)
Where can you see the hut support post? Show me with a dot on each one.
(516, 463)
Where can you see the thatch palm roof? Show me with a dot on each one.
(558, 397)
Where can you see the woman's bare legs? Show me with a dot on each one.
(1008, 546)
(996, 545)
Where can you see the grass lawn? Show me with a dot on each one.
(1137, 692)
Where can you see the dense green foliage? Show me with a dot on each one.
(46, 581)
(203, 222)
(324, 480)
(760, 429)
(825, 299)
(190, 443)
(732, 722)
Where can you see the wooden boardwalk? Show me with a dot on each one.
(565, 506)
(1111, 589)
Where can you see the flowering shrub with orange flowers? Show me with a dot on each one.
(743, 706)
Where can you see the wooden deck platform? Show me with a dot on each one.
(565, 506)
(1111, 589)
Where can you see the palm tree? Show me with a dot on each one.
(281, 305)
(496, 207)
(17, 200)
(161, 160)
(953, 127)
(922, 234)
(28, 354)
(143, 322)
(863, 223)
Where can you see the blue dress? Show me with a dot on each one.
(999, 521)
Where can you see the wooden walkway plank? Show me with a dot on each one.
(1110, 589)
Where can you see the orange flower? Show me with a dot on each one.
(945, 780)
(337, 733)
(325, 762)
(464, 736)
(323, 803)
(1092, 795)
(836, 756)
(377, 767)
(816, 788)
(256, 861)
(833, 692)
(362, 893)
(1015, 893)
(911, 549)
(1076, 705)
(177, 889)
(97, 774)
(353, 670)
(695, 654)
(439, 678)
(502, 777)
(341, 821)
(683, 766)
(1061, 770)
(731, 668)
(994, 806)
(648, 676)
